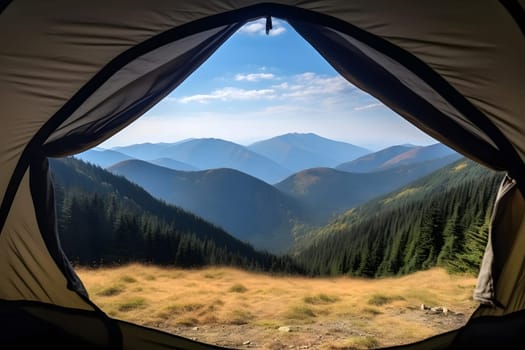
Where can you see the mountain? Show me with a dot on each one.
(102, 157)
(245, 206)
(144, 151)
(325, 192)
(297, 152)
(106, 219)
(172, 164)
(441, 219)
(211, 153)
(375, 160)
(395, 156)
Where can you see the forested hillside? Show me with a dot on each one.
(439, 220)
(326, 192)
(105, 219)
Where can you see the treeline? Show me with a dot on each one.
(104, 219)
(441, 220)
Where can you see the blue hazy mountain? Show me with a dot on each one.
(395, 156)
(325, 192)
(172, 164)
(298, 152)
(144, 151)
(248, 208)
(102, 157)
(212, 153)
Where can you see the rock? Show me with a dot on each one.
(437, 309)
(246, 342)
(284, 329)
(424, 307)
(195, 328)
(445, 311)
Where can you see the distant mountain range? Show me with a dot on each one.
(260, 193)
(210, 154)
(270, 160)
(264, 215)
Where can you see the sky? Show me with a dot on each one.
(257, 86)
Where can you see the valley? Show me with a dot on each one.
(267, 192)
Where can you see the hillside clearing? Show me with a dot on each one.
(239, 309)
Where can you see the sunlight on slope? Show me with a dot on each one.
(460, 166)
(401, 194)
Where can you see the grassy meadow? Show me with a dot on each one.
(238, 309)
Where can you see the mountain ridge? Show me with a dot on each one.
(395, 156)
(243, 205)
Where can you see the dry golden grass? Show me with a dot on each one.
(226, 306)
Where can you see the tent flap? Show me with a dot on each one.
(72, 74)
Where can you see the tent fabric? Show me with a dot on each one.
(133, 90)
(502, 274)
(72, 74)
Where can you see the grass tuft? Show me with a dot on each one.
(300, 312)
(320, 299)
(214, 274)
(372, 311)
(238, 288)
(354, 343)
(128, 279)
(132, 304)
(187, 321)
(381, 299)
(111, 291)
(239, 317)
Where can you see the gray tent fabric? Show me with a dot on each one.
(73, 73)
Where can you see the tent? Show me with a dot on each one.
(73, 73)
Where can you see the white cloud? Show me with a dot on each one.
(258, 27)
(281, 86)
(310, 84)
(304, 88)
(254, 27)
(368, 106)
(277, 31)
(230, 94)
(254, 77)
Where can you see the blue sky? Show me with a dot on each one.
(258, 86)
